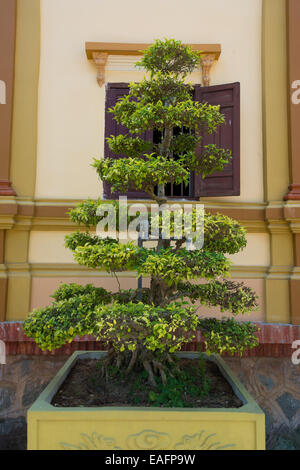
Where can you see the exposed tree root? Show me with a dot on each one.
(119, 361)
(148, 368)
(173, 363)
(153, 366)
(107, 361)
(132, 361)
(161, 368)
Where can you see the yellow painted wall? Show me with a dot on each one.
(71, 104)
(256, 253)
(48, 247)
(24, 137)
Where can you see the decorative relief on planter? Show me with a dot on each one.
(93, 442)
(148, 440)
(201, 441)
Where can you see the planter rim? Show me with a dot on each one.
(43, 402)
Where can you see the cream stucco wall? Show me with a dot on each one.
(48, 247)
(71, 104)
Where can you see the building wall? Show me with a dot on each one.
(58, 126)
(71, 104)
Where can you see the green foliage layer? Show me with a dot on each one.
(147, 325)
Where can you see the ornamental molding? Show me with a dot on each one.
(206, 62)
(279, 227)
(100, 59)
(51, 214)
(148, 439)
(122, 56)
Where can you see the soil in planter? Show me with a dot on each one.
(201, 385)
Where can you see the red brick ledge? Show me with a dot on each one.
(275, 341)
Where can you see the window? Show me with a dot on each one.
(225, 183)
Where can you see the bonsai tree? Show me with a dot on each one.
(146, 326)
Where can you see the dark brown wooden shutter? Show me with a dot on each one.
(226, 182)
(114, 91)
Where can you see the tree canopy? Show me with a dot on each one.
(149, 324)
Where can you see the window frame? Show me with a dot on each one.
(197, 183)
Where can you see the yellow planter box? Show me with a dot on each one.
(137, 428)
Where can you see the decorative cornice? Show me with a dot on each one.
(99, 52)
(59, 270)
(7, 222)
(249, 272)
(254, 226)
(29, 214)
(50, 214)
(122, 48)
(274, 211)
(278, 226)
(295, 226)
(279, 272)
